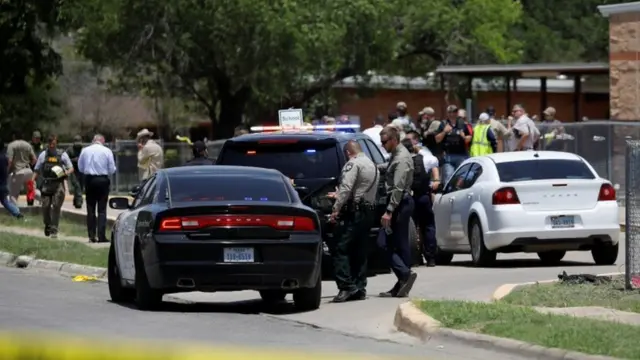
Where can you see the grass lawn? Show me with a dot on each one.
(611, 295)
(67, 227)
(525, 324)
(59, 250)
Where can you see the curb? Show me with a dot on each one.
(506, 289)
(411, 320)
(62, 268)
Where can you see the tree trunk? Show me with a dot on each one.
(231, 111)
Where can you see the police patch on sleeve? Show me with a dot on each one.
(348, 167)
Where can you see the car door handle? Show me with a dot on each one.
(451, 200)
(470, 196)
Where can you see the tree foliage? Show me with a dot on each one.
(232, 55)
(29, 64)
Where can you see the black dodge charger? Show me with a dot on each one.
(215, 228)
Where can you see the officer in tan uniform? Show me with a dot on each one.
(150, 155)
(354, 211)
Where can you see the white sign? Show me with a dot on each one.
(290, 118)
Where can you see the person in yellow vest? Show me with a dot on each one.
(484, 140)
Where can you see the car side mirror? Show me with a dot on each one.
(119, 203)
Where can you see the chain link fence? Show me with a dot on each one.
(632, 215)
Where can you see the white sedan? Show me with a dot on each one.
(545, 202)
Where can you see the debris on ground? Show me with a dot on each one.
(578, 279)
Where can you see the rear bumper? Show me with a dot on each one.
(527, 230)
(168, 260)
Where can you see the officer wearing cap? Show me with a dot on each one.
(76, 181)
(53, 166)
(400, 205)
(200, 155)
(484, 141)
(354, 209)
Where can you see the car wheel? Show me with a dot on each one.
(605, 253)
(551, 257)
(118, 293)
(272, 296)
(480, 255)
(307, 299)
(146, 297)
(443, 257)
(414, 241)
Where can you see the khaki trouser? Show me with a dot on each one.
(17, 180)
(51, 205)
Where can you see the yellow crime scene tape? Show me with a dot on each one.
(27, 346)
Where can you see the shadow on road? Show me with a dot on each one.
(246, 307)
(524, 263)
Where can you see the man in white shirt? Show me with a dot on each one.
(525, 133)
(374, 134)
(97, 164)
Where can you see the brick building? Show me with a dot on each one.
(624, 59)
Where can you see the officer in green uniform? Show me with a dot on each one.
(53, 166)
(76, 180)
(354, 213)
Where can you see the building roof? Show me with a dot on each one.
(526, 70)
(613, 9)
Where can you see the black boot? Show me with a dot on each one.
(393, 292)
(406, 285)
(431, 262)
(344, 295)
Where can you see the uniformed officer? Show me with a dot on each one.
(200, 155)
(76, 180)
(395, 221)
(52, 166)
(354, 209)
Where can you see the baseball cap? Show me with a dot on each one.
(427, 111)
(550, 111)
(483, 117)
(452, 108)
(199, 146)
(401, 105)
(491, 110)
(36, 134)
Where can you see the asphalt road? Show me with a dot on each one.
(36, 301)
(460, 281)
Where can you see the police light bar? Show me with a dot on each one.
(305, 127)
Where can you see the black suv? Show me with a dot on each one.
(314, 161)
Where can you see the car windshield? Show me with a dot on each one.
(543, 169)
(227, 188)
(299, 160)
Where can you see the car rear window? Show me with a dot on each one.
(227, 188)
(299, 160)
(544, 169)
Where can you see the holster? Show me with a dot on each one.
(50, 186)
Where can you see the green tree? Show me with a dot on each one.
(564, 31)
(235, 56)
(29, 64)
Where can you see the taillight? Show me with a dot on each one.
(505, 196)
(290, 223)
(607, 193)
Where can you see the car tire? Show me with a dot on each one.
(146, 297)
(272, 296)
(605, 253)
(117, 292)
(414, 241)
(551, 257)
(443, 257)
(308, 299)
(480, 255)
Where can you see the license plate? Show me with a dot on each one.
(238, 255)
(562, 222)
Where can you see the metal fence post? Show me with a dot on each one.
(632, 215)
